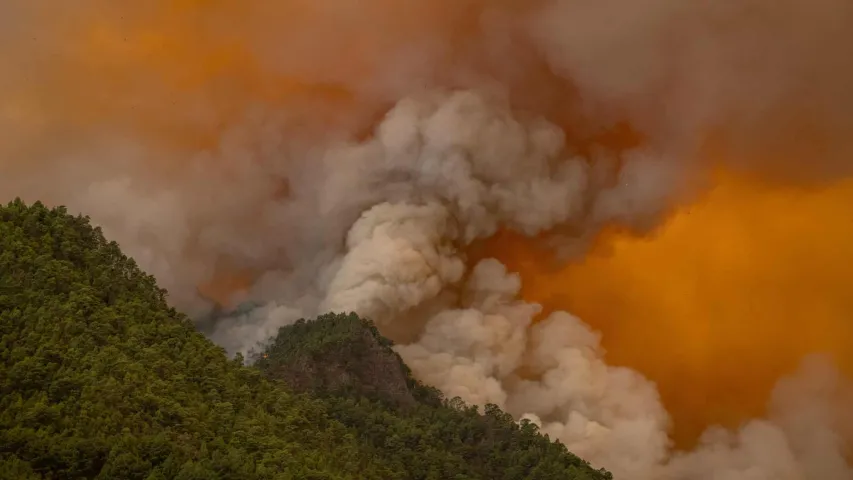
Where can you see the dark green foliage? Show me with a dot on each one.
(345, 355)
(431, 438)
(100, 378)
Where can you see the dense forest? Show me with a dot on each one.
(100, 378)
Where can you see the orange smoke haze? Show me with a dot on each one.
(181, 71)
(721, 301)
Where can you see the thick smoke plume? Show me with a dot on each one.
(291, 158)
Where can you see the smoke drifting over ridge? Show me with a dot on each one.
(342, 156)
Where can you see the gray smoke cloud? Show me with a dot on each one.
(490, 117)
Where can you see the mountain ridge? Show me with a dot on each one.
(101, 378)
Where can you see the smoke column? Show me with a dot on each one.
(481, 179)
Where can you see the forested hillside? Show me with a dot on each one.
(100, 378)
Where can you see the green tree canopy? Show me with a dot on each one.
(100, 378)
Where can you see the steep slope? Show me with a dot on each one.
(100, 378)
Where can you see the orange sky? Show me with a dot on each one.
(727, 296)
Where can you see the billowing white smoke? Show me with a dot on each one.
(443, 170)
(458, 165)
(380, 226)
